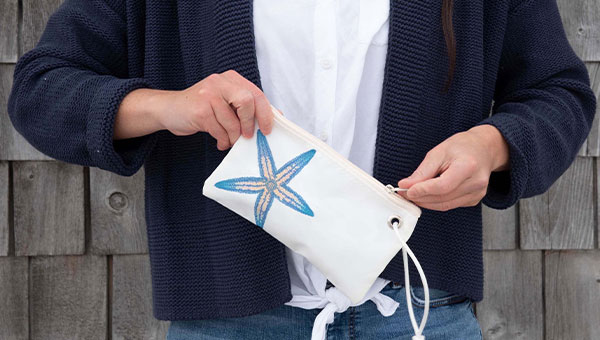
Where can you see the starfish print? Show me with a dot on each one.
(272, 182)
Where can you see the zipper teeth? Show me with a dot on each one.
(373, 182)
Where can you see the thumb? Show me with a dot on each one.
(428, 168)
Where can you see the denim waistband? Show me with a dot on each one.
(436, 296)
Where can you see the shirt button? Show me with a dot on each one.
(326, 63)
(323, 135)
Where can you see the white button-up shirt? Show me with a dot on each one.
(322, 64)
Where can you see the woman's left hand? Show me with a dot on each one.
(464, 161)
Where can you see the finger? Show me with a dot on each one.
(445, 183)
(218, 132)
(263, 112)
(431, 165)
(242, 102)
(463, 201)
(227, 118)
(467, 187)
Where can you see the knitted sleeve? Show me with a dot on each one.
(67, 90)
(543, 104)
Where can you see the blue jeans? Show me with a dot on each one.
(450, 317)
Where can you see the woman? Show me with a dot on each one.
(400, 88)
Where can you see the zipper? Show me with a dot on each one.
(372, 182)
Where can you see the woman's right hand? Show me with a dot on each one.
(222, 104)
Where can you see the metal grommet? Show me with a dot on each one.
(394, 219)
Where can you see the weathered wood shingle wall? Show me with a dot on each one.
(73, 252)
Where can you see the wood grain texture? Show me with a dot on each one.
(12, 145)
(8, 31)
(572, 295)
(499, 228)
(592, 143)
(14, 313)
(4, 230)
(563, 217)
(512, 307)
(580, 20)
(48, 208)
(117, 213)
(68, 297)
(35, 16)
(597, 168)
(571, 206)
(132, 316)
(534, 222)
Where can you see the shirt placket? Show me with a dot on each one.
(325, 39)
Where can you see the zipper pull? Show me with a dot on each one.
(392, 189)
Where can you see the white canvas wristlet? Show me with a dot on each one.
(316, 202)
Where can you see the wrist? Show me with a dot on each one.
(157, 107)
(140, 113)
(496, 145)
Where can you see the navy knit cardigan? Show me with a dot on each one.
(208, 262)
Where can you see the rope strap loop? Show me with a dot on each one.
(406, 251)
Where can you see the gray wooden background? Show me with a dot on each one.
(73, 253)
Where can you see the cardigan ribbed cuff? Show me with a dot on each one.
(124, 157)
(506, 187)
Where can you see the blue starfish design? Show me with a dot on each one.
(272, 182)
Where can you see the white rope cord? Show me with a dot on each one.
(405, 249)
